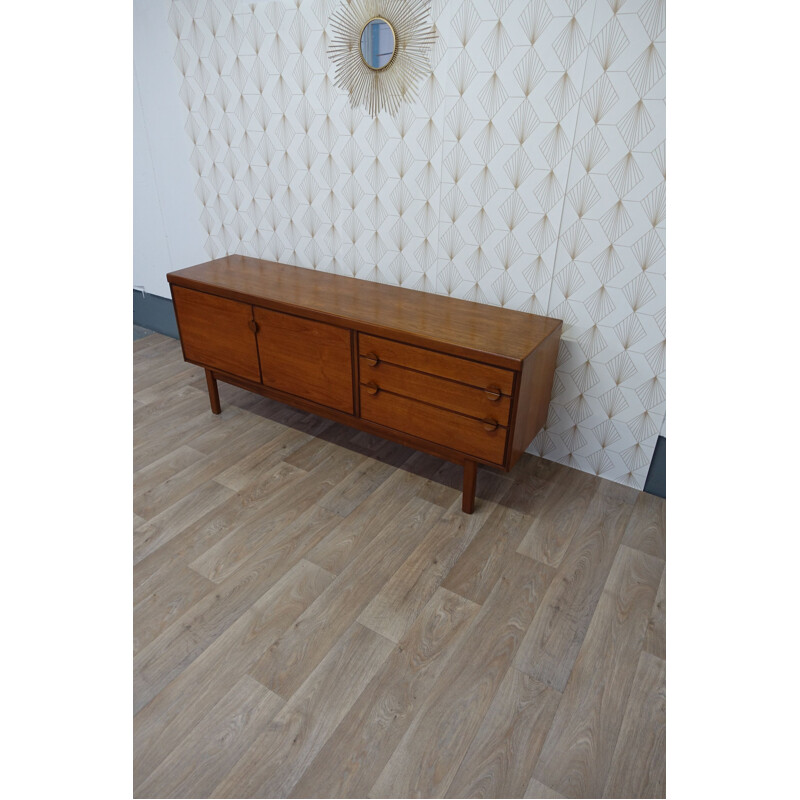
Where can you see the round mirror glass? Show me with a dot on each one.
(377, 43)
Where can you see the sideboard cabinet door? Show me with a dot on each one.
(217, 333)
(306, 358)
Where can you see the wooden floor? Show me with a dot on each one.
(315, 617)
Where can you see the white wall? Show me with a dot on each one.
(166, 231)
(529, 173)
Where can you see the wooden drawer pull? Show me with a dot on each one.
(253, 325)
(372, 388)
(493, 393)
(371, 359)
(490, 424)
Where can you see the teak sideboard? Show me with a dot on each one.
(467, 382)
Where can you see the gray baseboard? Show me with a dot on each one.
(155, 313)
(656, 482)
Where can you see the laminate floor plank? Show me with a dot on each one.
(647, 528)
(178, 516)
(170, 716)
(309, 454)
(617, 491)
(297, 531)
(153, 475)
(357, 486)
(219, 437)
(186, 638)
(164, 601)
(638, 766)
(166, 434)
(432, 749)
(501, 758)
(221, 737)
(155, 351)
(479, 568)
(287, 502)
(396, 606)
(655, 641)
(154, 341)
(577, 753)
(262, 461)
(442, 478)
(296, 654)
(165, 388)
(366, 521)
(551, 645)
(182, 546)
(155, 371)
(170, 408)
(539, 790)
(561, 508)
(183, 482)
(276, 761)
(354, 755)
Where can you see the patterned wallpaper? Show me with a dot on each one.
(529, 173)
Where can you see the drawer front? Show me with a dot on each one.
(216, 332)
(306, 358)
(442, 427)
(447, 394)
(482, 376)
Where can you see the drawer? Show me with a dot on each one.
(482, 376)
(306, 358)
(437, 425)
(440, 392)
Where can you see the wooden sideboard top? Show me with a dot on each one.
(496, 335)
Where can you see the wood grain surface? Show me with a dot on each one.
(465, 434)
(304, 357)
(374, 351)
(437, 391)
(551, 645)
(638, 766)
(216, 332)
(433, 747)
(580, 744)
(278, 758)
(463, 327)
(314, 616)
(505, 749)
(364, 741)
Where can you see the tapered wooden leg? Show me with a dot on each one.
(468, 497)
(213, 392)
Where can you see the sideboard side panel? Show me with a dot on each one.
(535, 388)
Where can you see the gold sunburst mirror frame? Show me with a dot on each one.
(375, 78)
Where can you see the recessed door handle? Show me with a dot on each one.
(253, 325)
(490, 424)
(371, 359)
(372, 387)
(493, 393)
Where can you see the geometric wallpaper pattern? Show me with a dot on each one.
(529, 172)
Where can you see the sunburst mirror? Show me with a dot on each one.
(380, 49)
